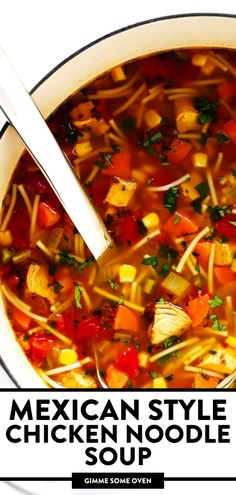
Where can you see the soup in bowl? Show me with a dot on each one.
(153, 141)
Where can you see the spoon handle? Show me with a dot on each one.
(25, 117)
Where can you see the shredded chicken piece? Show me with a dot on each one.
(37, 282)
(168, 320)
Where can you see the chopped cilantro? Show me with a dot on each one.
(141, 227)
(57, 287)
(102, 373)
(176, 220)
(171, 341)
(52, 267)
(150, 261)
(165, 269)
(204, 137)
(150, 138)
(216, 302)
(163, 360)
(121, 299)
(197, 205)
(137, 346)
(78, 293)
(216, 324)
(149, 182)
(113, 284)
(153, 374)
(203, 189)
(167, 252)
(217, 212)
(130, 384)
(161, 300)
(170, 199)
(221, 138)
(233, 223)
(212, 352)
(233, 172)
(206, 109)
(197, 267)
(26, 336)
(66, 238)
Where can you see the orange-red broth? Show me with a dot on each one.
(160, 137)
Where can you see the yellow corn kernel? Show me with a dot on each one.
(68, 356)
(159, 382)
(200, 160)
(152, 118)
(233, 266)
(149, 286)
(199, 60)
(127, 273)
(118, 74)
(121, 192)
(189, 190)
(151, 221)
(223, 254)
(143, 359)
(6, 238)
(231, 341)
(82, 149)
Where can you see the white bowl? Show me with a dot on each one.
(192, 30)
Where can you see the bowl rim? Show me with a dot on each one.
(129, 27)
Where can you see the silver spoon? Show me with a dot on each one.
(25, 117)
(99, 377)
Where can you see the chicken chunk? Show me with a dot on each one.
(121, 192)
(168, 320)
(37, 281)
(220, 359)
(186, 115)
(77, 379)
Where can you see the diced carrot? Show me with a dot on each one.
(21, 318)
(203, 251)
(116, 378)
(121, 165)
(229, 128)
(227, 90)
(197, 309)
(180, 224)
(126, 319)
(47, 215)
(201, 381)
(224, 274)
(178, 150)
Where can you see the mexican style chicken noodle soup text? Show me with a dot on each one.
(154, 144)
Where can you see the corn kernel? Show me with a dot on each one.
(68, 356)
(231, 341)
(200, 160)
(159, 382)
(189, 190)
(121, 193)
(223, 254)
(233, 266)
(152, 118)
(6, 238)
(151, 220)
(199, 60)
(82, 149)
(143, 359)
(127, 273)
(118, 74)
(149, 286)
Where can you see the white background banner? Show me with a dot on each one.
(160, 418)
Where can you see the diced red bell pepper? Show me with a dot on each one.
(156, 67)
(90, 327)
(121, 165)
(128, 229)
(229, 128)
(13, 282)
(180, 224)
(227, 90)
(99, 189)
(162, 177)
(47, 215)
(40, 346)
(178, 151)
(103, 109)
(127, 361)
(224, 227)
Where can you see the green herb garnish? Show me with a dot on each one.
(206, 109)
(218, 212)
(170, 199)
(78, 293)
(150, 261)
(216, 302)
(153, 374)
(113, 284)
(203, 189)
(127, 124)
(221, 138)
